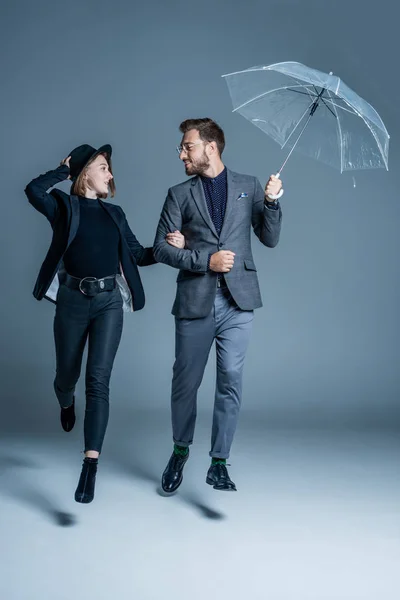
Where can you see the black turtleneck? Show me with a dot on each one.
(94, 250)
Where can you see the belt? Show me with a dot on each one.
(221, 283)
(89, 286)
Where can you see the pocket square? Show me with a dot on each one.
(243, 195)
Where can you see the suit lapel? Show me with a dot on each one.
(199, 197)
(232, 195)
(74, 200)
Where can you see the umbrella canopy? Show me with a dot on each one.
(286, 99)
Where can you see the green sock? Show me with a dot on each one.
(181, 450)
(218, 461)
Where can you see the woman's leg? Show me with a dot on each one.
(71, 323)
(105, 331)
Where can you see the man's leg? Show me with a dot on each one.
(193, 340)
(232, 339)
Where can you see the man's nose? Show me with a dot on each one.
(183, 154)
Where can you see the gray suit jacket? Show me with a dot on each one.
(185, 209)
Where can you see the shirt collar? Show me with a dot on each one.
(218, 179)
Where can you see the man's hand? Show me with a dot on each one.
(273, 187)
(65, 161)
(222, 261)
(176, 239)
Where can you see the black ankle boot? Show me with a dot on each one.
(67, 416)
(85, 490)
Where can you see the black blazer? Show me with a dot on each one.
(62, 211)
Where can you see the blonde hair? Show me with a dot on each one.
(79, 186)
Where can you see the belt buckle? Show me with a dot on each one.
(91, 279)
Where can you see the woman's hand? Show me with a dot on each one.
(65, 161)
(176, 239)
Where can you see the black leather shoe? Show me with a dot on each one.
(68, 416)
(85, 490)
(172, 476)
(218, 477)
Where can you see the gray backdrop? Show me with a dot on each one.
(325, 346)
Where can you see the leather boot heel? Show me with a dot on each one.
(85, 490)
(67, 417)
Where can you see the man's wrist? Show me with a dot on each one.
(273, 205)
(270, 198)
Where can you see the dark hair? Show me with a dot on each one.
(78, 187)
(209, 131)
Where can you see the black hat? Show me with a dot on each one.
(81, 155)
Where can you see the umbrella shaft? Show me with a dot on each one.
(314, 107)
(296, 142)
(316, 102)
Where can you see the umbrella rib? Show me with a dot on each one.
(340, 134)
(352, 112)
(255, 69)
(294, 129)
(357, 113)
(306, 86)
(369, 127)
(299, 92)
(376, 140)
(261, 96)
(330, 110)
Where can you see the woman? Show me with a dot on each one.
(90, 271)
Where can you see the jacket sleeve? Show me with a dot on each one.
(266, 221)
(38, 196)
(179, 258)
(143, 256)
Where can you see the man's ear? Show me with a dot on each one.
(214, 147)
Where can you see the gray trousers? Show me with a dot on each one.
(230, 327)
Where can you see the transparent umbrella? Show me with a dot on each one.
(286, 99)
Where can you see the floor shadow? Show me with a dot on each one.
(14, 484)
(11, 462)
(144, 472)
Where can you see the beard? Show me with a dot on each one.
(199, 166)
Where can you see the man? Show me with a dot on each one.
(217, 287)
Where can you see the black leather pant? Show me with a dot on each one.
(99, 319)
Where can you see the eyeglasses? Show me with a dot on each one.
(188, 146)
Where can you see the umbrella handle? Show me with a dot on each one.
(271, 196)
